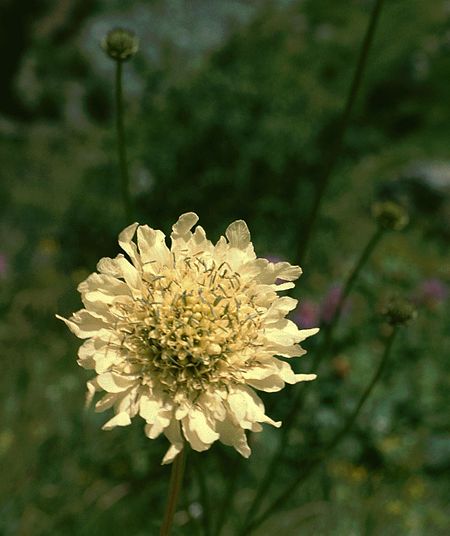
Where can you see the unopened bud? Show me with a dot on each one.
(120, 44)
(390, 215)
(399, 311)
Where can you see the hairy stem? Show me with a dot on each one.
(346, 289)
(176, 479)
(121, 147)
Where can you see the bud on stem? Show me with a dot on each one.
(120, 44)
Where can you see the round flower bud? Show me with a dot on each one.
(399, 311)
(390, 215)
(120, 44)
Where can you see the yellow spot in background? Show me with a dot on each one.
(415, 488)
(395, 507)
(390, 444)
(6, 441)
(48, 246)
(358, 473)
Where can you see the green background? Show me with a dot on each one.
(231, 110)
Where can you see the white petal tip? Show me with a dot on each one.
(238, 234)
(171, 454)
(184, 224)
(244, 450)
(121, 419)
(305, 377)
(306, 333)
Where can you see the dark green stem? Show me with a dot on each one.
(297, 401)
(176, 479)
(332, 444)
(333, 157)
(121, 147)
(346, 289)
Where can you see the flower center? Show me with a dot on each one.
(196, 326)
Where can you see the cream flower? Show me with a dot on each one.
(183, 336)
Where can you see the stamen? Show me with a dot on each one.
(179, 339)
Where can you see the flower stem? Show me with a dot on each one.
(121, 147)
(297, 401)
(334, 154)
(346, 289)
(176, 479)
(332, 444)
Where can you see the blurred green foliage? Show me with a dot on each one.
(239, 132)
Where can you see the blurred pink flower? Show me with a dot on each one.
(431, 292)
(330, 303)
(307, 314)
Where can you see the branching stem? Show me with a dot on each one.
(341, 129)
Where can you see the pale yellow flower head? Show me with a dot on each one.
(182, 336)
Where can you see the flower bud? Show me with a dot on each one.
(120, 44)
(390, 215)
(399, 311)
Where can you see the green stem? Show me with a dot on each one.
(176, 479)
(340, 132)
(346, 289)
(332, 444)
(296, 403)
(121, 147)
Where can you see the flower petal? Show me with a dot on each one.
(172, 453)
(130, 274)
(198, 431)
(234, 436)
(84, 324)
(149, 408)
(152, 246)
(181, 230)
(121, 419)
(115, 383)
(238, 235)
(173, 434)
(126, 243)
